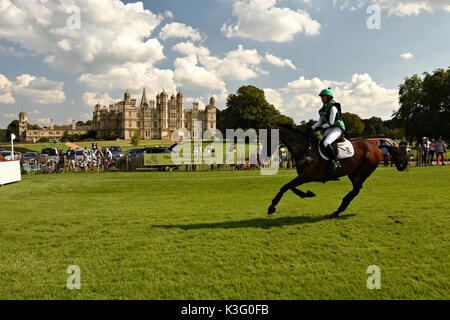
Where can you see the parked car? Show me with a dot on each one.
(30, 157)
(79, 155)
(6, 155)
(49, 153)
(134, 151)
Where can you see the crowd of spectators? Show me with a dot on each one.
(428, 148)
(90, 161)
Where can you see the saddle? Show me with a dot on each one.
(341, 146)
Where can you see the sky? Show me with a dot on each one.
(58, 58)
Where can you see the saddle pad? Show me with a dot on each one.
(345, 150)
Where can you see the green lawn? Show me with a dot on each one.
(206, 235)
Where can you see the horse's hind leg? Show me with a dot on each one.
(347, 199)
(357, 180)
(289, 186)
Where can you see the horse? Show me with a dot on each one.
(311, 167)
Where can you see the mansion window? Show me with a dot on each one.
(148, 114)
(130, 124)
(138, 124)
(173, 124)
(155, 124)
(173, 116)
(130, 114)
(173, 107)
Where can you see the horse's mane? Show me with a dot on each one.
(290, 128)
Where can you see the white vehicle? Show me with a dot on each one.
(80, 154)
(6, 155)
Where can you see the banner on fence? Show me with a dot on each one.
(9, 172)
(158, 159)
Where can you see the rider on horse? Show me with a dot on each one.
(331, 123)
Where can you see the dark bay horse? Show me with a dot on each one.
(312, 168)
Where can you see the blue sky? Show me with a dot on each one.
(55, 68)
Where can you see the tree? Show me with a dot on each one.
(425, 105)
(80, 124)
(13, 127)
(374, 127)
(88, 123)
(354, 126)
(33, 127)
(136, 138)
(3, 135)
(248, 108)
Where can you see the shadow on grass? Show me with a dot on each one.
(263, 223)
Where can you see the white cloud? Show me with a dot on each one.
(262, 21)
(132, 76)
(407, 56)
(92, 98)
(361, 95)
(200, 70)
(10, 115)
(399, 8)
(111, 33)
(37, 90)
(274, 97)
(188, 48)
(279, 61)
(5, 90)
(180, 30)
(193, 76)
(168, 14)
(239, 64)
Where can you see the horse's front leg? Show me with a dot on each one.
(288, 186)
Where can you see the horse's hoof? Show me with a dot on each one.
(310, 194)
(334, 215)
(271, 210)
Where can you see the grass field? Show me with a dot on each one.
(206, 235)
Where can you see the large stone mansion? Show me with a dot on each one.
(153, 120)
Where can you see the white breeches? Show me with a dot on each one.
(331, 135)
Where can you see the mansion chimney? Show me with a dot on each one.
(52, 124)
(73, 124)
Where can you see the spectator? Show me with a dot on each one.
(282, 156)
(441, 148)
(108, 157)
(83, 164)
(100, 158)
(385, 152)
(403, 145)
(86, 153)
(425, 150)
(71, 159)
(431, 154)
(61, 162)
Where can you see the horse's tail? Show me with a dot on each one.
(399, 157)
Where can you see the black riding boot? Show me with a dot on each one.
(333, 157)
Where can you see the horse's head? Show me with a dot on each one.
(293, 139)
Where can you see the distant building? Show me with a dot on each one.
(154, 120)
(51, 132)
